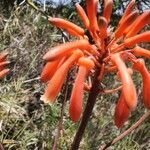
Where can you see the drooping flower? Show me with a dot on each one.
(122, 111)
(139, 65)
(75, 108)
(128, 85)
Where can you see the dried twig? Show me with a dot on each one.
(1, 147)
(31, 80)
(29, 2)
(121, 136)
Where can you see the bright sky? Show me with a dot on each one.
(57, 1)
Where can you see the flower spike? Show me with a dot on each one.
(98, 51)
(3, 64)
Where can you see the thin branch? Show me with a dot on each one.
(31, 80)
(60, 123)
(121, 136)
(1, 147)
(29, 2)
(111, 90)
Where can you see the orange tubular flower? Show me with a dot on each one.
(130, 72)
(109, 49)
(102, 23)
(122, 111)
(83, 15)
(139, 65)
(125, 23)
(140, 22)
(75, 108)
(128, 11)
(143, 37)
(139, 51)
(49, 70)
(67, 25)
(128, 85)
(108, 5)
(91, 6)
(56, 82)
(63, 49)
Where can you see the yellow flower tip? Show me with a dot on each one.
(46, 100)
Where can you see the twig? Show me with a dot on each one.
(60, 123)
(31, 80)
(29, 2)
(121, 136)
(1, 147)
(111, 90)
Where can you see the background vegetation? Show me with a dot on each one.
(28, 124)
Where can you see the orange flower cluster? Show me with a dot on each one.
(3, 64)
(110, 51)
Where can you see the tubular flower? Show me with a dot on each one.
(122, 111)
(49, 70)
(102, 51)
(75, 108)
(3, 63)
(128, 85)
(139, 65)
(139, 51)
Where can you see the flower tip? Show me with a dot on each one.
(119, 124)
(49, 56)
(45, 57)
(45, 99)
(74, 120)
(4, 73)
(74, 117)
